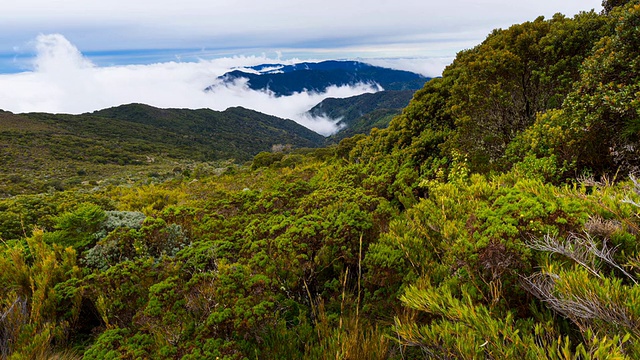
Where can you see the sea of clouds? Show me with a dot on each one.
(62, 80)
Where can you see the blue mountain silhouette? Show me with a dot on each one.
(285, 80)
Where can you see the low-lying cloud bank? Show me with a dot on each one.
(65, 81)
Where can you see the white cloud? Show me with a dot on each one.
(430, 67)
(56, 53)
(63, 81)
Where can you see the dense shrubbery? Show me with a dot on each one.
(500, 224)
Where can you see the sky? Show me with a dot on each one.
(77, 56)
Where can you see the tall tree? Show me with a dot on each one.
(500, 85)
(605, 107)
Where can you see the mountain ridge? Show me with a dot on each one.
(198, 120)
(285, 80)
(361, 113)
(62, 149)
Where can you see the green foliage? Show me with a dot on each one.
(77, 228)
(484, 222)
(265, 158)
(604, 108)
(595, 129)
(544, 149)
(523, 70)
(463, 330)
(609, 5)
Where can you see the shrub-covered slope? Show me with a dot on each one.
(237, 132)
(40, 150)
(485, 226)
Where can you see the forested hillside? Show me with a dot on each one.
(497, 217)
(361, 113)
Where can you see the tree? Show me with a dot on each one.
(604, 109)
(497, 91)
(501, 85)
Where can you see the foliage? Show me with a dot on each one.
(500, 85)
(34, 311)
(604, 109)
(493, 218)
(609, 5)
(67, 151)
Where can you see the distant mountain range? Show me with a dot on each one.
(284, 80)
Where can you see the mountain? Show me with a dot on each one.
(285, 80)
(236, 132)
(359, 114)
(59, 149)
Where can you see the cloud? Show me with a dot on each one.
(64, 81)
(430, 67)
(56, 53)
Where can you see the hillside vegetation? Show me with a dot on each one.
(361, 113)
(497, 217)
(57, 151)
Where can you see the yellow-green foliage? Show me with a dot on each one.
(29, 275)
